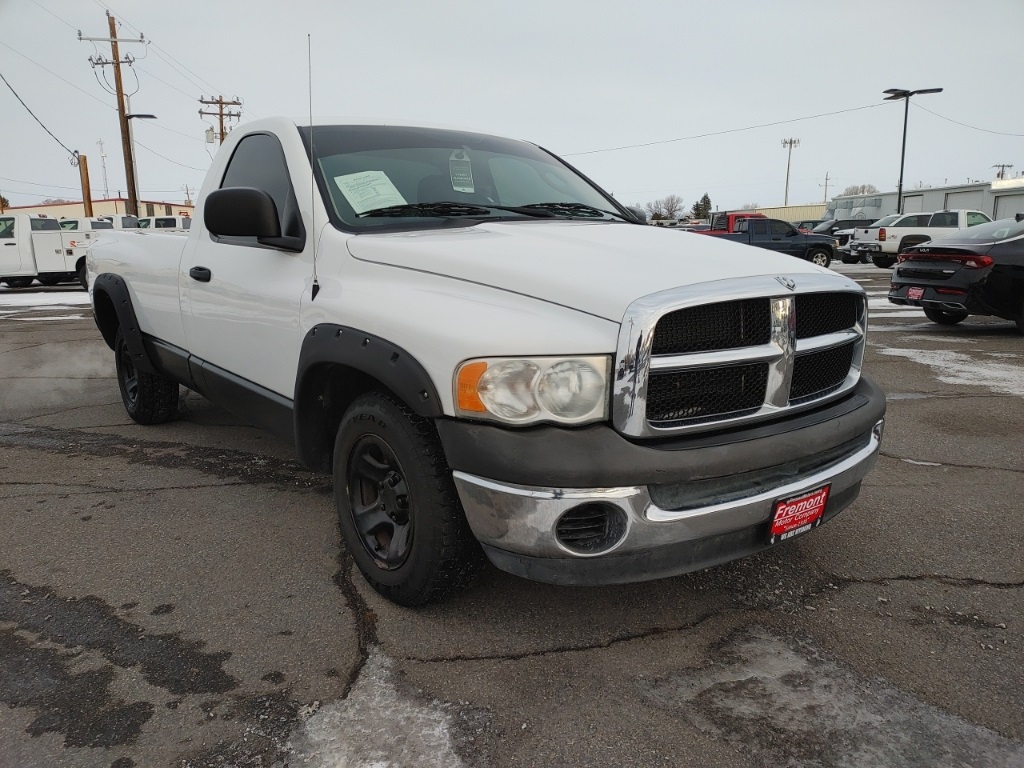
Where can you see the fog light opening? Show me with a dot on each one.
(590, 529)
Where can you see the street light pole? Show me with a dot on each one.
(894, 95)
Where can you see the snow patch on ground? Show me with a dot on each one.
(44, 299)
(957, 368)
(376, 726)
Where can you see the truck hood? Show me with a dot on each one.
(594, 267)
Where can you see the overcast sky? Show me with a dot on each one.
(582, 78)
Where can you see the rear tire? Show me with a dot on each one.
(819, 257)
(1020, 320)
(82, 278)
(398, 509)
(944, 317)
(883, 262)
(148, 397)
(48, 280)
(19, 282)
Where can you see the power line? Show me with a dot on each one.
(58, 18)
(68, 82)
(158, 50)
(74, 155)
(722, 133)
(965, 125)
(175, 162)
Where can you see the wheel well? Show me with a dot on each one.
(106, 316)
(323, 396)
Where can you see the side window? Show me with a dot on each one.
(258, 161)
(974, 218)
(164, 223)
(779, 227)
(69, 226)
(758, 227)
(6, 227)
(944, 219)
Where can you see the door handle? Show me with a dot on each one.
(202, 274)
(10, 243)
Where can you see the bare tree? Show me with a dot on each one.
(751, 206)
(860, 189)
(4, 203)
(668, 207)
(53, 200)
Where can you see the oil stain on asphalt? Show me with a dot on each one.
(37, 674)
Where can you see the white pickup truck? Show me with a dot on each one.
(36, 248)
(885, 242)
(490, 353)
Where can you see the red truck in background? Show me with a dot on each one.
(726, 221)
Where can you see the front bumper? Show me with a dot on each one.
(715, 507)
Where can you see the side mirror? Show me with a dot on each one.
(247, 212)
(639, 213)
(241, 212)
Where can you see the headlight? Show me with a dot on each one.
(566, 390)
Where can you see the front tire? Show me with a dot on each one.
(819, 257)
(19, 282)
(148, 397)
(943, 317)
(48, 280)
(398, 509)
(82, 276)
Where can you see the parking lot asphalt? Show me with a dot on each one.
(178, 596)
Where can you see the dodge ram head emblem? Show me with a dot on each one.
(787, 283)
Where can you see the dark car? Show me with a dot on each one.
(975, 271)
(832, 226)
(806, 225)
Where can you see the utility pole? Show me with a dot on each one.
(103, 162)
(220, 114)
(1002, 169)
(789, 144)
(188, 196)
(122, 113)
(83, 174)
(826, 187)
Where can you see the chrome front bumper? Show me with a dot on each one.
(517, 524)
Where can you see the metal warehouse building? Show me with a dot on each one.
(1000, 199)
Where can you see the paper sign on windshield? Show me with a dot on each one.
(369, 190)
(461, 170)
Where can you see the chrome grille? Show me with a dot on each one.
(702, 395)
(818, 373)
(821, 313)
(729, 352)
(728, 325)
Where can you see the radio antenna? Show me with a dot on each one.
(312, 190)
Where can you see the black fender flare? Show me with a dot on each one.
(112, 309)
(336, 364)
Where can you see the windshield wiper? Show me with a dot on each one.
(447, 209)
(574, 209)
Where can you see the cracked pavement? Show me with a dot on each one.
(179, 596)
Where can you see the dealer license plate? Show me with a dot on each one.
(798, 514)
(915, 293)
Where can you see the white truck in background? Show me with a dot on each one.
(36, 248)
(92, 223)
(910, 229)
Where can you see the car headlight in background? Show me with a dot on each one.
(564, 390)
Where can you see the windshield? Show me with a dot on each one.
(1004, 229)
(378, 177)
(825, 226)
(885, 221)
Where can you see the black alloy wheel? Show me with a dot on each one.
(398, 510)
(379, 497)
(148, 398)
